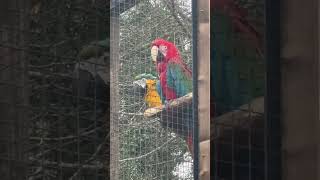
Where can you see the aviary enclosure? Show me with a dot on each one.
(154, 143)
(68, 91)
(152, 75)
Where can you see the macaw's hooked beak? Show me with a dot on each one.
(154, 53)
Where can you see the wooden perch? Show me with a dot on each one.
(176, 116)
(252, 109)
(248, 115)
(172, 107)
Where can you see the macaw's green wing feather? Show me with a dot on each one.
(179, 78)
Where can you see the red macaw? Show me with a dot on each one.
(175, 81)
(238, 16)
(220, 67)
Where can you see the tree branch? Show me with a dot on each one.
(65, 137)
(245, 116)
(147, 154)
(87, 161)
(67, 165)
(171, 6)
(183, 101)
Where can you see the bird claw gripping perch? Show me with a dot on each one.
(167, 104)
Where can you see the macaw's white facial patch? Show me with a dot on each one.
(141, 82)
(154, 53)
(163, 50)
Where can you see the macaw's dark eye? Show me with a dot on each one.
(160, 57)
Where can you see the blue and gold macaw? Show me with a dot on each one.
(146, 84)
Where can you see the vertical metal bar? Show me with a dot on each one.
(201, 35)
(272, 102)
(95, 91)
(250, 153)
(195, 88)
(233, 163)
(114, 92)
(215, 155)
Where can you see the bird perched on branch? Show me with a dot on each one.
(146, 85)
(91, 77)
(231, 78)
(175, 76)
(175, 81)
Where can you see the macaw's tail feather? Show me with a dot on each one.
(190, 144)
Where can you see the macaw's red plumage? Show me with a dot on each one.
(238, 16)
(175, 76)
(175, 81)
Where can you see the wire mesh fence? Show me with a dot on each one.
(238, 89)
(54, 89)
(154, 136)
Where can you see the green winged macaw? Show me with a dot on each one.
(175, 80)
(236, 78)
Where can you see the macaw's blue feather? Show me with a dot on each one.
(235, 81)
(181, 83)
(179, 78)
(236, 78)
(160, 92)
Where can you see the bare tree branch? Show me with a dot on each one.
(87, 161)
(96, 166)
(171, 5)
(147, 154)
(63, 138)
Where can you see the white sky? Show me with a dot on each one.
(184, 170)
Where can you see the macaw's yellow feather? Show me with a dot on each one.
(152, 97)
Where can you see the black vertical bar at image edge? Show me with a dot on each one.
(195, 88)
(272, 100)
(108, 143)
